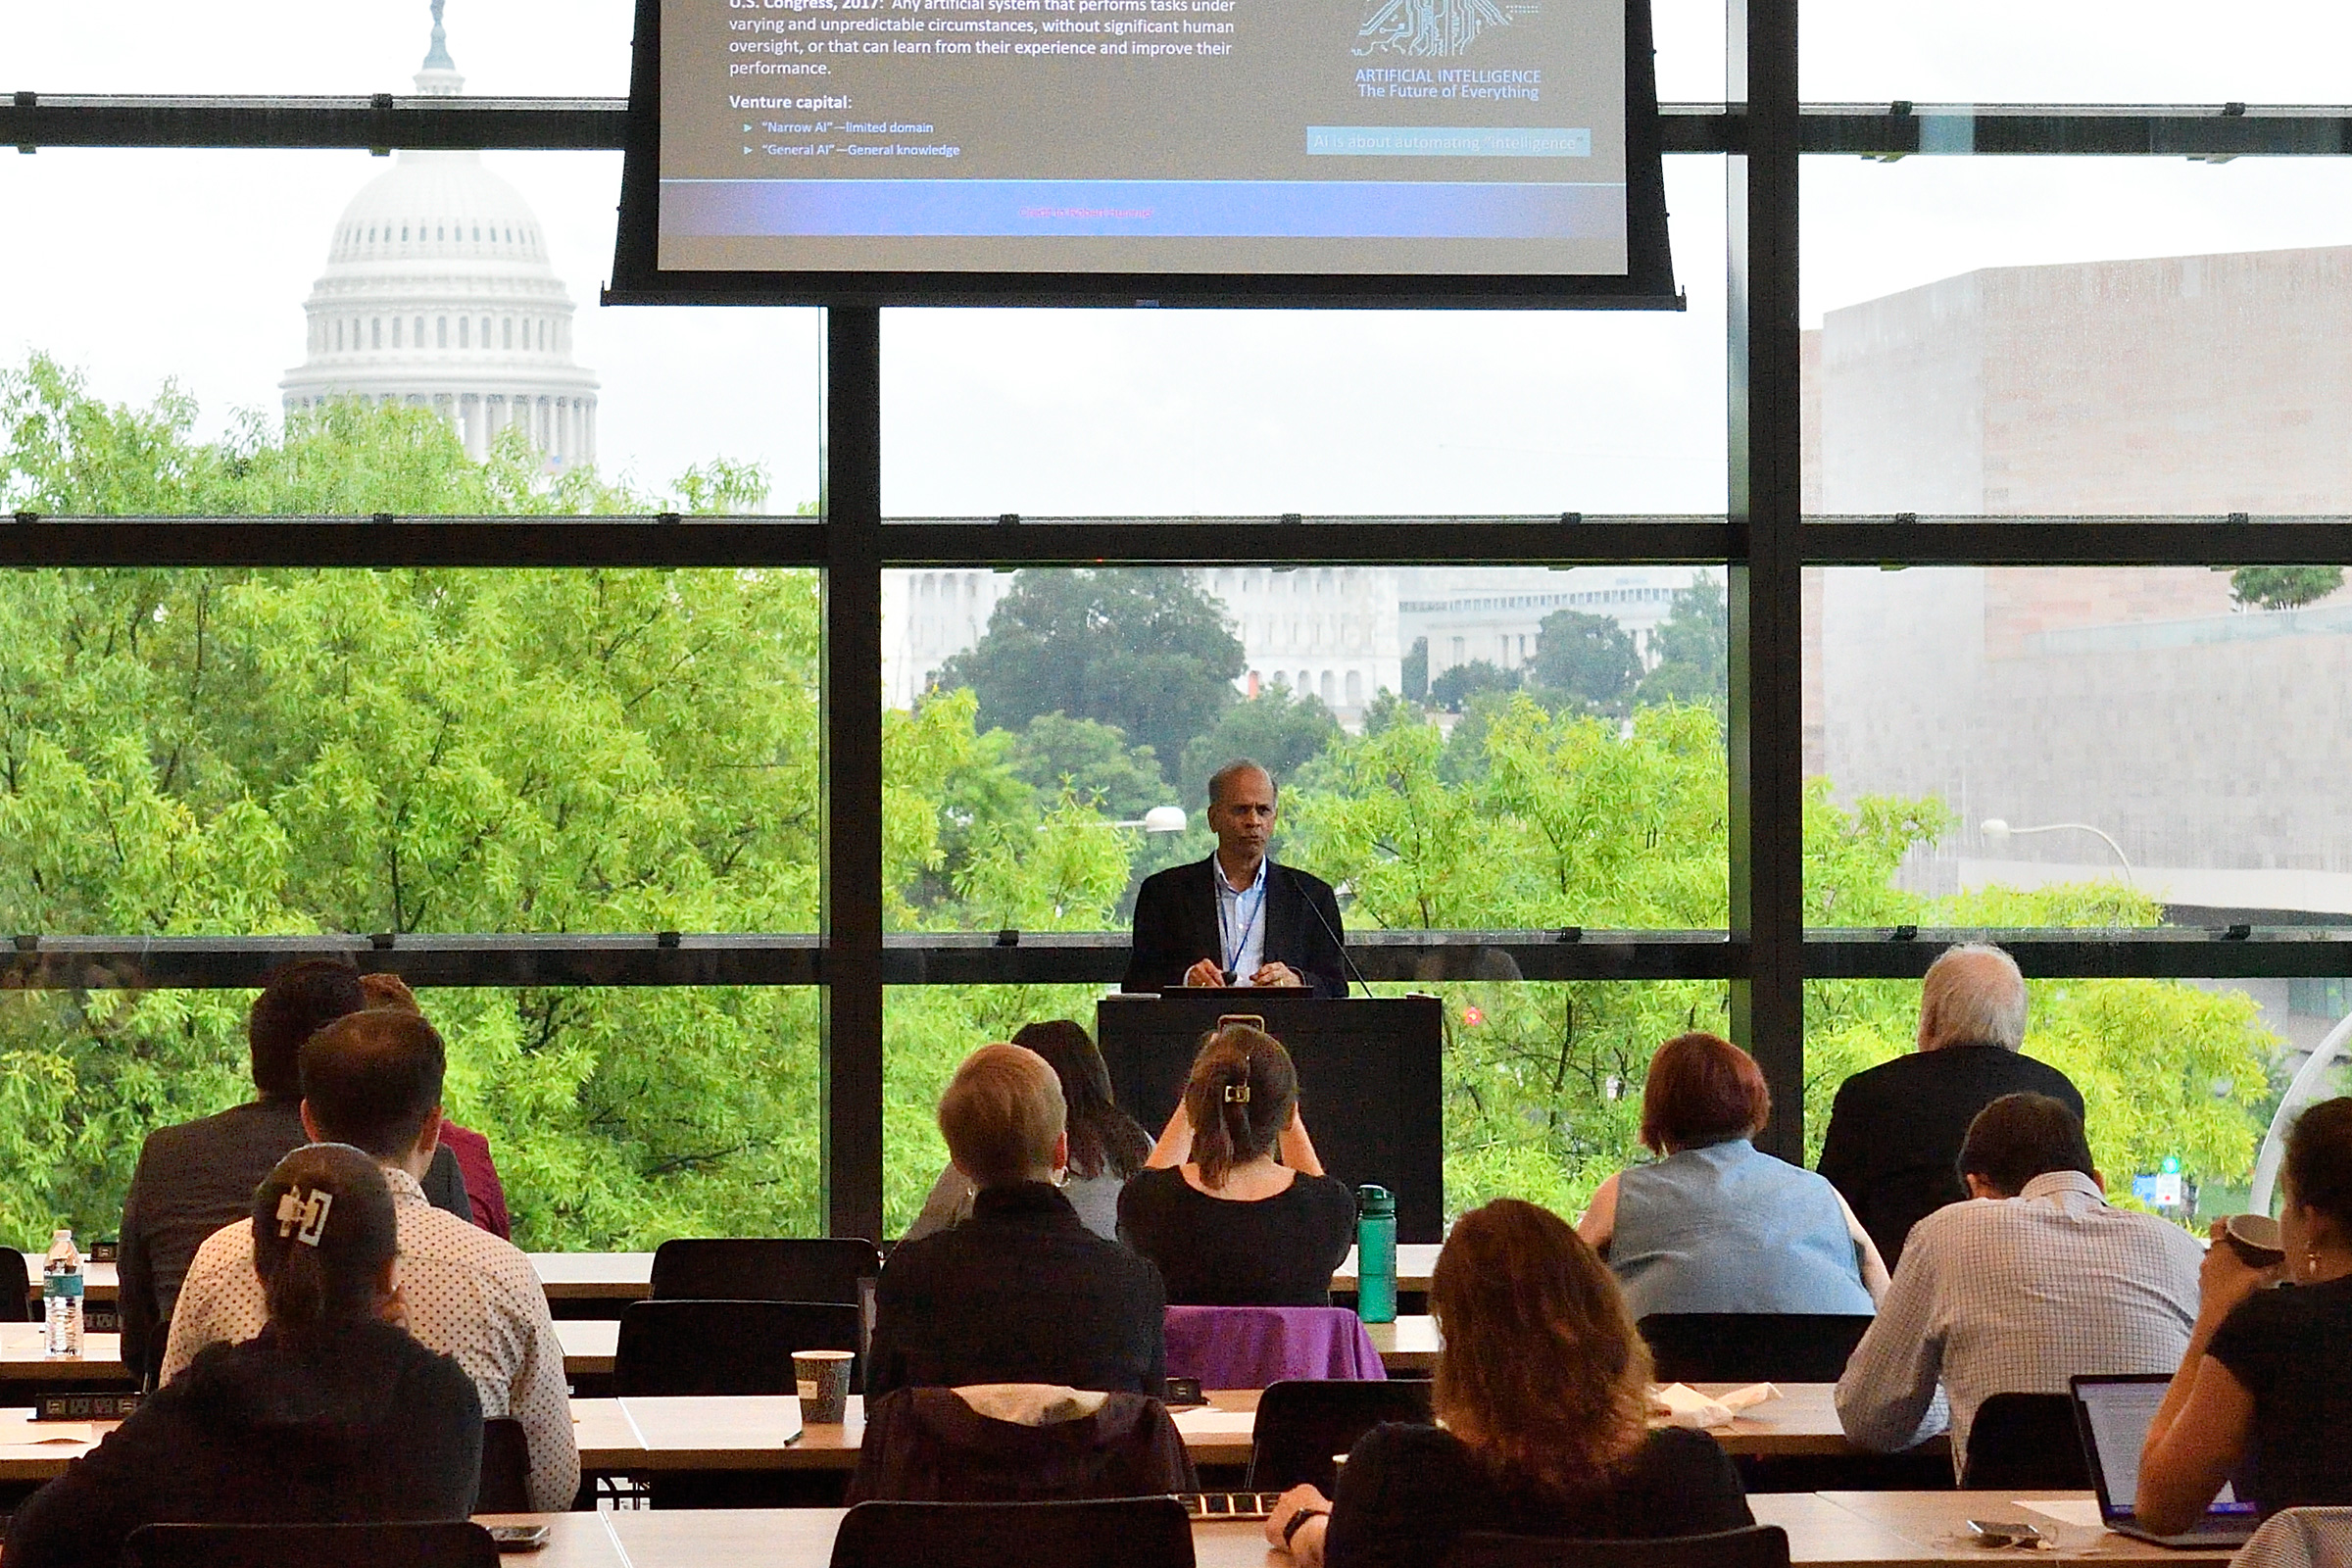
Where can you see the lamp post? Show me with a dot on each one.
(1160, 819)
(1998, 832)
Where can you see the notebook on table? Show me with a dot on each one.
(2113, 1414)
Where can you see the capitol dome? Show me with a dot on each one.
(438, 294)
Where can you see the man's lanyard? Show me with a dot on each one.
(1258, 907)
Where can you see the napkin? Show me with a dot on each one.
(1683, 1406)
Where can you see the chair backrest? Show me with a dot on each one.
(456, 1544)
(928, 1445)
(16, 1287)
(1757, 1546)
(1256, 1346)
(1301, 1425)
(506, 1468)
(820, 1268)
(1752, 1346)
(1123, 1533)
(2024, 1440)
(725, 1346)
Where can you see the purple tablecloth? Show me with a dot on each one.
(1252, 1347)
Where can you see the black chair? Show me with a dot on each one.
(16, 1287)
(1751, 1347)
(1123, 1533)
(506, 1485)
(1757, 1546)
(1301, 1424)
(725, 1346)
(457, 1545)
(824, 1268)
(2024, 1440)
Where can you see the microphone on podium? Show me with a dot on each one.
(1300, 888)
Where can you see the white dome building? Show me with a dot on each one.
(438, 294)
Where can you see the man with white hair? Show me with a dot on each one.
(1895, 1130)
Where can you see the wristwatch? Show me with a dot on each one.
(1290, 1531)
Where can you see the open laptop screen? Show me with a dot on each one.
(2117, 1413)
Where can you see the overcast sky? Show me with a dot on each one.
(193, 265)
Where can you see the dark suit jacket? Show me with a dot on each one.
(1895, 1131)
(1176, 927)
(196, 1177)
(1021, 1292)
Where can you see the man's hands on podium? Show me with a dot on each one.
(1207, 973)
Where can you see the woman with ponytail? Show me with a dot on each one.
(1232, 1205)
(331, 1414)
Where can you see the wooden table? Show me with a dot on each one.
(1830, 1530)
(99, 1282)
(25, 1356)
(1414, 1262)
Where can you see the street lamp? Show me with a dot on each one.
(1997, 832)
(1160, 819)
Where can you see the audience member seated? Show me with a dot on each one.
(486, 1195)
(373, 1079)
(2036, 1280)
(1107, 1145)
(330, 1415)
(1716, 1226)
(1895, 1129)
(2267, 1370)
(1543, 1406)
(1021, 1291)
(1228, 1223)
(195, 1178)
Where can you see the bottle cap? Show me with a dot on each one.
(1375, 1200)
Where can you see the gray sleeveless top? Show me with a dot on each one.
(1728, 1229)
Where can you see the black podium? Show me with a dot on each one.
(1368, 1076)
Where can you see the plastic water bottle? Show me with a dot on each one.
(1375, 1254)
(61, 1294)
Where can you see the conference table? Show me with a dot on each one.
(630, 1276)
(1826, 1530)
(642, 1436)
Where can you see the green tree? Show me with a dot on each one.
(2284, 587)
(1480, 676)
(1275, 728)
(1146, 652)
(1590, 657)
(1415, 675)
(1091, 761)
(1691, 650)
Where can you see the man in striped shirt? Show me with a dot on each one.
(2034, 1280)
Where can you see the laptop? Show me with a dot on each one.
(2113, 1414)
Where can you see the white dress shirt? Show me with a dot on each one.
(1241, 918)
(471, 1295)
(2015, 1296)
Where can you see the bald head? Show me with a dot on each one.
(1974, 995)
(1003, 1116)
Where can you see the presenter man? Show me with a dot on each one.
(1237, 918)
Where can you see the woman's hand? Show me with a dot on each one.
(1307, 1545)
(2226, 1278)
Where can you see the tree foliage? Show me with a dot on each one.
(1281, 731)
(1146, 652)
(1691, 650)
(1454, 689)
(1590, 657)
(2284, 587)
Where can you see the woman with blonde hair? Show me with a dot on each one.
(1543, 1403)
(1233, 1204)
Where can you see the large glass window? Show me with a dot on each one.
(1460, 748)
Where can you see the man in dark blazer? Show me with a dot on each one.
(1895, 1130)
(1237, 918)
(1022, 1292)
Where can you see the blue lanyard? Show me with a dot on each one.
(1258, 907)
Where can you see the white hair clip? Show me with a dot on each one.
(308, 1210)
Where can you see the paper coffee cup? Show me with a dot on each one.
(825, 1386)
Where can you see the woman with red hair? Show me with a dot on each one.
(1716, 1225)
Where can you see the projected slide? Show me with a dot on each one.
(1178, 136)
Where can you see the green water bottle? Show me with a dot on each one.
(1375, 1254)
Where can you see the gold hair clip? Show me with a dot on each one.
(1237, 1093)
(308, 1210)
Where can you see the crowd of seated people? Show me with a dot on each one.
(331, 1348)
